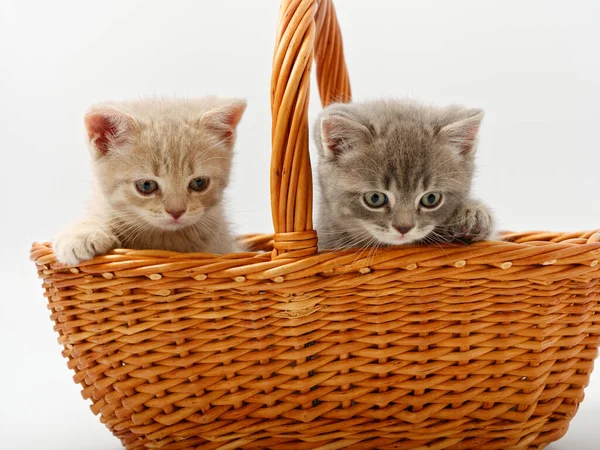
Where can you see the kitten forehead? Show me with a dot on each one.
(162, 108)
(171, 137)
(384, 116)
(406, 148)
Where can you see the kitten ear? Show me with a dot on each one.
(463, 132)
(224, 119)
(339, 133)
(107, 127)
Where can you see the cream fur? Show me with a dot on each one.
(171, 142)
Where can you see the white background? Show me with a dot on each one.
(533, 66)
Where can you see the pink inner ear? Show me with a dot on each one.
(225, 133)
(471, 135)
(463, 134)
(330, 139)
(101, 131)
(233, 117)
(224, 121)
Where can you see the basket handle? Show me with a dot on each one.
(306, 29)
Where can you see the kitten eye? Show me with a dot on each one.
(199, 184)
(146, 187)
(431, 200)
(375, 199)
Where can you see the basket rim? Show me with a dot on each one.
(517, 252)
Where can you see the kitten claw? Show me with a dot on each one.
(73, 248)
(477, 223)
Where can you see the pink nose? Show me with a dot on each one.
(175, 213)
(403, 229)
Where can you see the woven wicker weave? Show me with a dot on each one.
(486, 346)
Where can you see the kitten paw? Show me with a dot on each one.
(476, 223)
(73, 248)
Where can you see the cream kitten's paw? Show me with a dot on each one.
(73, 247)
(475, 222)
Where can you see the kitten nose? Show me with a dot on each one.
(403, 229)
(175, 213)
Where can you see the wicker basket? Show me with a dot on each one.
(486, 346)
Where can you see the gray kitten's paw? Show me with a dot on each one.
(74, 247)
(475, 222)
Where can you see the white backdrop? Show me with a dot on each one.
(533, 66)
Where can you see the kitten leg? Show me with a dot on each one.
(472, 222)
(83, 241)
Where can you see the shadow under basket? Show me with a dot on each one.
(487, 346)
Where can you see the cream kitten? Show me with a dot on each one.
(161, 167)
(396, 172)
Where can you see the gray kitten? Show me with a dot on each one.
(396, 172)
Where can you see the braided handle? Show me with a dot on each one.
(306, 29)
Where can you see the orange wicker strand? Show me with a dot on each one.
(290, 89)
(306, 28)
(480, 347)
(332, 74)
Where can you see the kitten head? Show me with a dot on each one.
(391, 171)
(163, 163)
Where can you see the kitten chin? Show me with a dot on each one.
(396, 173)
(161, 167)
(390, 236)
